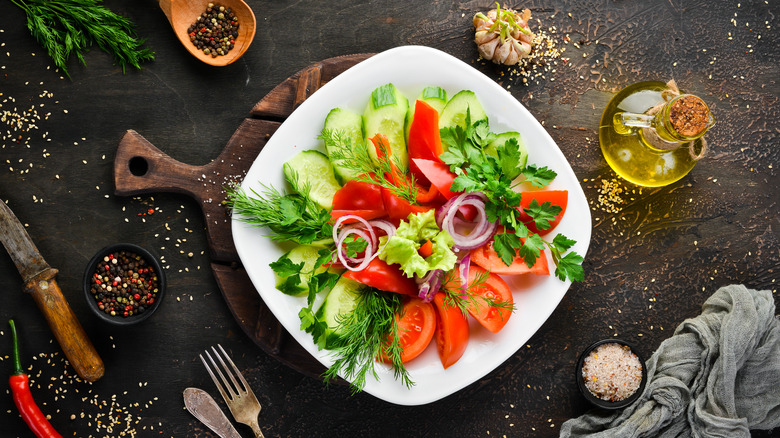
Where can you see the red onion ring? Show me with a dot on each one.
(463, 270)
(482, 230)
(430, 285)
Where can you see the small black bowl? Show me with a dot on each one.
(151, 261)
(606, 404)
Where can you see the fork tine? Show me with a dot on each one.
(230, 390)
(214, 378)
(238, 387)
(237, 372)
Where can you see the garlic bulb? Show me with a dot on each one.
(503, 35)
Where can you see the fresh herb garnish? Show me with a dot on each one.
(357, 160)
(369, 331)
(496, 176)
(456, 296)
(66, 27)
(293, 217)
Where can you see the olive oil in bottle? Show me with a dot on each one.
(628, 147)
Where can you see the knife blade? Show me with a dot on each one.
(204, 408)
(39, 281)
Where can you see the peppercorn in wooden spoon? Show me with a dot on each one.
(183, 14)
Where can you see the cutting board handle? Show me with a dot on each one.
(139, 167)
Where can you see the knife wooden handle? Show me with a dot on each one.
(66, 328)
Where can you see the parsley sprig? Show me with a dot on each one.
(68, 27)
(497, 175)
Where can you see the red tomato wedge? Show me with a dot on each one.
(365, 214)
(397, 208)
(555, 197)
(416, 325)
(452, 331)
(493, 288)
(385, 277)
(438, 174)
(382, 146)
(424, 139)
(486, 258)
(358, 195)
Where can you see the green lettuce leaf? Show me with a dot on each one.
(402, 248)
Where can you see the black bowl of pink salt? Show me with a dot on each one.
(611, 374)
(124, 284)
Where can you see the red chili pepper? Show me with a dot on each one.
(20, 388)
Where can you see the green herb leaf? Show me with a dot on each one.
(570, 266)
(65, 27)
(369, 330)
(542, 214)
(539, 176)
(285, 267)
(294, 218)
(563, 243)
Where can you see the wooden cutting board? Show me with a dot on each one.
(141, 168)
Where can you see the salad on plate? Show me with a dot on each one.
(407, 227)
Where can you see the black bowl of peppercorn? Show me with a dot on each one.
(124, 284)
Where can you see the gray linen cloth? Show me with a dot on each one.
(717, 376)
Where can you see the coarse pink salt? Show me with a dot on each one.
(612, 372)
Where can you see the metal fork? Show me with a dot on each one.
(239, 398)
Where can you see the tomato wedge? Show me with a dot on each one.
(424, 139)
(365, 214)
(416, 325)
(493, 288)
(555, 197)
(385, 277)
(438, 174)
(398, 209)
(452, 331)
(487, 258)
(358, 195)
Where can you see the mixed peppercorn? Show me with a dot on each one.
(215, 31)
(124, 284)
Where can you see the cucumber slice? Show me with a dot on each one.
(350, 124)
(312, 168)
(433, 96)
(307, 254)
(386, 113)
(492, 148)
(341, 300)
(454, 113)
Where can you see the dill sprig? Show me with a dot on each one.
(358, 161)
(67, 27)
(291, 217)
(369, 331)
(455, 296)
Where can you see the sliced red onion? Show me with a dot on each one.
(347, 217)
(430, 285)
(463, 270)
(341, 252)
(482, 229)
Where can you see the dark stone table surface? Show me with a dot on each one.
(654, 257)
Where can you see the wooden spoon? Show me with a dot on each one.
(183, 13)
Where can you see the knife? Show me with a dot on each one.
(39, 281)
(204, 408)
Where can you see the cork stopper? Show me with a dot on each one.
(689, 116)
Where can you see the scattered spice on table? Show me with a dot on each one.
(124, 284)
(215, 30)
(612, 372)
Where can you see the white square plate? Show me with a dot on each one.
(411, 68)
